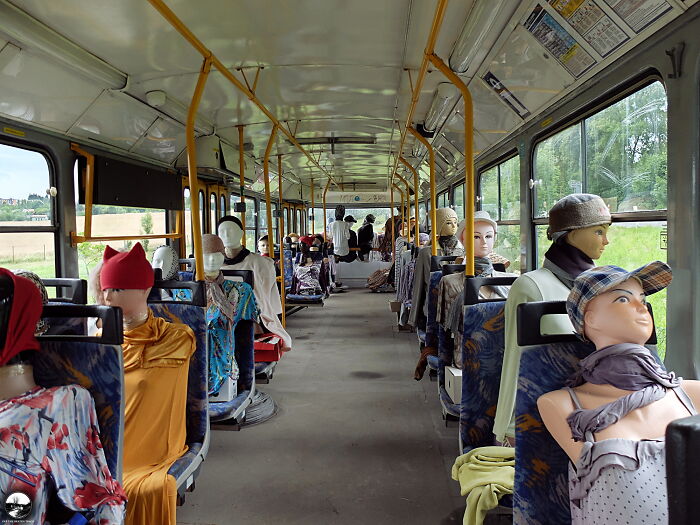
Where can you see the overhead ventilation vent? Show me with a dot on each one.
(335, 140)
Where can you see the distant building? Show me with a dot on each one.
(9, 202)
(39, 218)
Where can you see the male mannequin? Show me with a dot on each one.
(263, 246)
(365, 236)
(156, 366)
(626, 399)
(340, 233)
(448, 244)
(264, 276)
(48, 423)
(352, 240)
(578, 225)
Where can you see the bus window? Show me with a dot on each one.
(189, 243)
(298, 224)
(488, 191)
(459, 201)
(212, 213)
(222, 209)
(24, 180)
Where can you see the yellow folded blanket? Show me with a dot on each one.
(485, 474)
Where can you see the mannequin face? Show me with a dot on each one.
(132, 302)
(484, 237)
(294, 238)
(449, 227)
(231, 234)
(212, 264)
(619, 315)
(263, 247)
(591, 241)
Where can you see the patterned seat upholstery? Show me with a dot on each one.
(288, 268)
(541, 493)
(445, 355)
(186, 468)
(482, 358)
(98, 367)
(431, 326)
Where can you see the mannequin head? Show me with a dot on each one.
(166, 258)
(214, 255)
(339, 212)
(263, 246)
(591, 241)
(41, 325)
(293, 237)
(577, 211)
(20, 310)
(350, 220)
(230, 230)
(446, 222)
(126, 280)
(370, 219)
(607, 305)
(484, 237)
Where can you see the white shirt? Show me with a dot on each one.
(340, 232)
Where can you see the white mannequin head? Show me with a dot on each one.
(166, 259)
(230, 231)
(484, 237)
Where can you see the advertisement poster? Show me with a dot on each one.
(597, 28)
(505, 95)
(638, 14)
(559, 42)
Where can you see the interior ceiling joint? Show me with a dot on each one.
(252, 88)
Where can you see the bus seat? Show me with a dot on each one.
(94, 363)
(437, 261)
(483, 342)
(186, 276)
(192, 313)
(431, 324)
(541, 491)
(68, 290)
(682, 469)
(288, 268)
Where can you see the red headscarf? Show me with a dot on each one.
(307, 239)
(25, 313)
(126, 270)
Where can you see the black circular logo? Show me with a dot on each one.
(18, 505)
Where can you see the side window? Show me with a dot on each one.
(27, 209)
(222, 209)
(212, 213)
(459, 201)
(189, 243)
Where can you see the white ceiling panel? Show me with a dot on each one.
(27, 93)
(164, 141)
(116, 119)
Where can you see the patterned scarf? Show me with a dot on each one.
(450, 245)
(626, 366)
(483, 267)
(217, 297)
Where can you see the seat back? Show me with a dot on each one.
(437, 261)
(683, 469)
(431, 325)
(288, 268)
(541, 494)
(193, 314)
(244, 275)
(482, 360)
(472, 286)
(448, 269)
(68, 290)
(94, 363)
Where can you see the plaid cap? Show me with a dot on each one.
(653, 277)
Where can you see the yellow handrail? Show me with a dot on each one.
(433, 203)
(429, 47)
(415, 196)
(241, 169)
(392, 244)
(468, 160)
(188, 35)
(281, 232)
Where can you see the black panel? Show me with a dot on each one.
(436, 261)
(683, 470)
(472, 285)
(69, 290)
(111, 317)
(119, 183)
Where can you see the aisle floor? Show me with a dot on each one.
(356, 439)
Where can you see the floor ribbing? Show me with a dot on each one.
(356, 439)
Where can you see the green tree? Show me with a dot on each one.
(146, 228)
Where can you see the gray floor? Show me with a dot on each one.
(356, 439)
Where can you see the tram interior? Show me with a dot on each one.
(349, 262)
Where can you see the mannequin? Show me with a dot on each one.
(29, 454)
(340, 233)
(448, 244)
(578, 226)
(307, 274)
(165, 257)
(365, 236)
(613, 315)
(156, 365)
(263, 246)
(264, 284)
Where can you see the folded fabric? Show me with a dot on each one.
(485, 474)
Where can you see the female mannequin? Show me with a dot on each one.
(448, 244)
(156, 365)
(265, 279)
(307, 274)
(578, 226)
(32, 450)
(625, 399)
(165, 257)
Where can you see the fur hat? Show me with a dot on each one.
(126, 270)
(576, 211)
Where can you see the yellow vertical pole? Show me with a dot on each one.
(408, 206)
(281, 232)
(192, 169)
(415, 193)
(468, 159)
(325, 221)
(433, 203)
(241, 171)
(393, 224)
(402, 210)
(266, 173)
(313, 220)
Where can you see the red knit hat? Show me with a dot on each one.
(307, 239)
(126, 270)
(26, 311)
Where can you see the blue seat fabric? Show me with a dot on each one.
(431, 324)
(445, 358)
(482, 360)
(541, 492)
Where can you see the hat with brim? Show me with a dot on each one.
(483, 216)
(653, 277)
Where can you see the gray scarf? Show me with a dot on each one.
(626, 366)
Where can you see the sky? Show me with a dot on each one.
(22, 172)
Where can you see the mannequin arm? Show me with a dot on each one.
(554, 408)
(692, 388)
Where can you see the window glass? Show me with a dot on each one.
(202, 212)
(459, 201)
(626, 152)
(510, 189)
(508, 245)
(489, 192)
(558, 168)
(222, 209)
(423, 216)
(250, 214)
(33, 251)
(212, 213)
(189, 244)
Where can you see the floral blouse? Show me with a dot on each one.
(53, 432)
